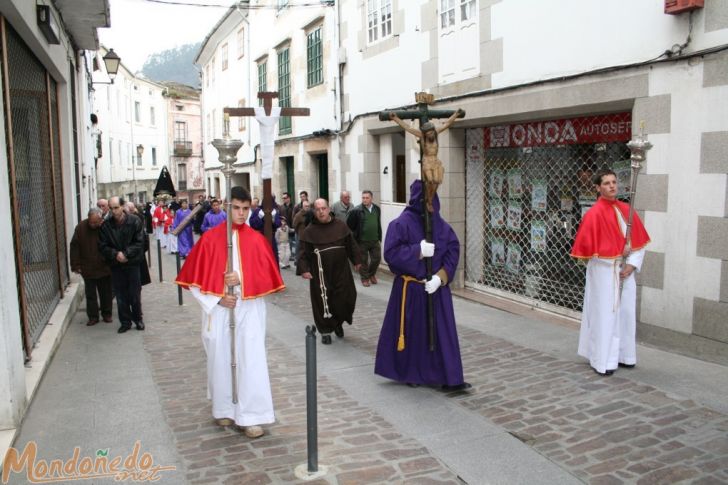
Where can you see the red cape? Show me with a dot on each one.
(206, 264)
(599, 234)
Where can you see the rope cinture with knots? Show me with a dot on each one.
(322, 284)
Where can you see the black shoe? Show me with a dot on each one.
(627, 366)
(140, 325)
(459, 387)
(339, 331)
(123, 328)
(326, 339)
(609, 372)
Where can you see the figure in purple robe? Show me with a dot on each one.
(403, 351)
(257, 222)
(185, 240)
(214, 217)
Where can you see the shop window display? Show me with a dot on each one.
(528, 185)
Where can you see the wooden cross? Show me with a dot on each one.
(267, 98)
(423, 113)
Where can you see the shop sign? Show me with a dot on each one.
(587, 129)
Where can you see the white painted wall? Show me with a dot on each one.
(114, 104)
(543, 40)
(691, 194)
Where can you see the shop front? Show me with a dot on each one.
(528, 185)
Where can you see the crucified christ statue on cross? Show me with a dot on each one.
(267, 116)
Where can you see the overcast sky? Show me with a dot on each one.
(140, 28)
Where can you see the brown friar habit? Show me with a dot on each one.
(323, 251)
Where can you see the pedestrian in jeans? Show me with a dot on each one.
(365, 222)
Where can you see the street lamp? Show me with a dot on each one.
(140, 152)
(111, 62)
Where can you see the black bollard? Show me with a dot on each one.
(159, 258)
(311, 400)
(179, 288)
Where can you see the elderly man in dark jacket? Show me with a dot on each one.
(121, 243)
(87, 261)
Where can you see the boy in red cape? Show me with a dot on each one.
(608, 322)
(255, 274)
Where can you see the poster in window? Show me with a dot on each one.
(513, 258)
(497, 215)
(538, 236)
(515, 184)
(624, 173)
(539, 195)
(497, 252)
(495, 188)
(514, 216)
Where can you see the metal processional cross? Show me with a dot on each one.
(267, 155)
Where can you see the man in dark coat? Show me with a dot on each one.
(325, 246)
(87, 261)
(365, 222)
(403, 351)
(121, 243)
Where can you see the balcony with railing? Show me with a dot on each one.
(182, 148)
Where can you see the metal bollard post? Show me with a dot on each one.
(159, 258)
(179, 288)
(311, 400)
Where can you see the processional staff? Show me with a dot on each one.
(227, 149)
(431, 169)
(267, 117)
(638, 148)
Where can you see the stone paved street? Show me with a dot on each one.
(536, 414)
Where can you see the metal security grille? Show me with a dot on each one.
(528, 186)
(36, 184)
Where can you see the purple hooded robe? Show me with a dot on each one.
(212, 220)
(185, 241)
(415, 364)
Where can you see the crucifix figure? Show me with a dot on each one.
(267, 116)
(431, 167)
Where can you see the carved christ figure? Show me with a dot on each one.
(432, 168)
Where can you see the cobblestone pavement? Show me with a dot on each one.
(601, 430)
(355, 443)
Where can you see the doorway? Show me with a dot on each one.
(322, 161)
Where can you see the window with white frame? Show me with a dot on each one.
(154, 156)
(212, 71)
(467, 10)
(447, 13)
(379, 19)
(224, 56)
(137, 111)
(207, 75)
(152, 116)
(241, 43)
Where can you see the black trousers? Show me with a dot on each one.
(102, 286)
(128, 291)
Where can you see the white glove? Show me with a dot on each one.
(427, 250)
(261, 214)
(273, 213)
(432, 285)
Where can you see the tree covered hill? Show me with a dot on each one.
(174, 65)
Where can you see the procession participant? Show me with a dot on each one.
(204, 274)
(214, 217)
(185, 239)
(159, 221)
(608, 322)
(325, 247)
(403, 352)
(88, 262)
(121, 243)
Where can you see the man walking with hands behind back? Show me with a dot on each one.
(365, 221)
(121, 243)
(86, 260)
